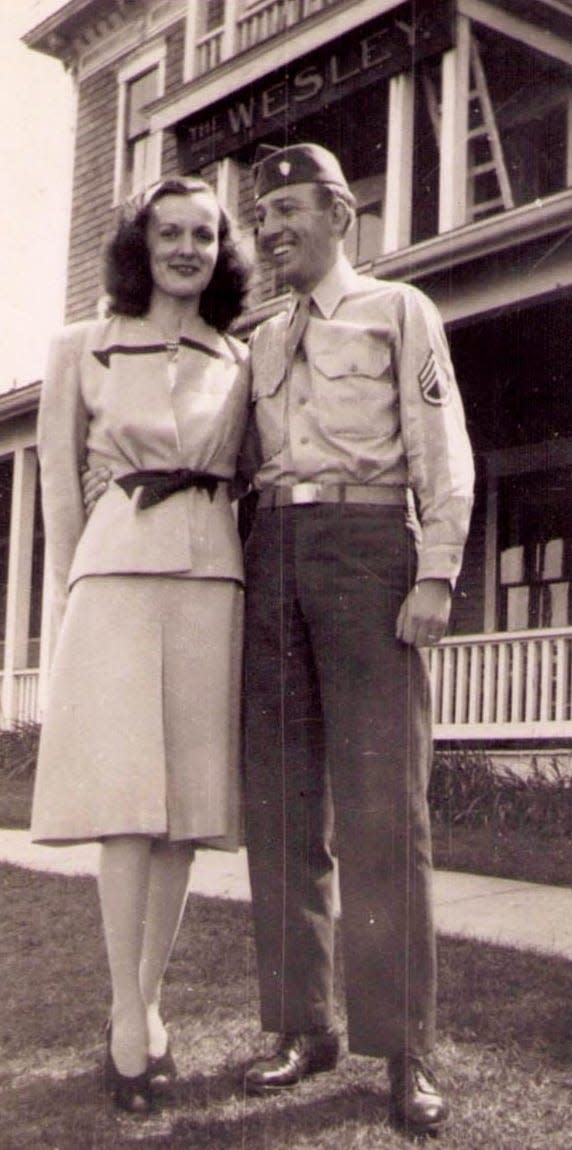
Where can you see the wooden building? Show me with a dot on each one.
(453, 122)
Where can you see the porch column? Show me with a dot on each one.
(47, 640)
(399, 166)
(454, 128)
(19, 576)
(227, 179)
(229, 36)
(191, 34)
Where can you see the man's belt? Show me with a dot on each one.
(300, 494)
(158, 485)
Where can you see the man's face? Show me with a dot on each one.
(296, 235)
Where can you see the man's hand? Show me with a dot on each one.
(94, 484)
(424, 615)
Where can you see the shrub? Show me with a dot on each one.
(19, 750)
(467, 789)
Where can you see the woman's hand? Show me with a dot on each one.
(94, 484)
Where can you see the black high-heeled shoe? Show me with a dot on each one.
(162, 1068)
(131, 1093)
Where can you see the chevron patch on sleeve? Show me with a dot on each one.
(435, 387)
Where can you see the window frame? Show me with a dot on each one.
(153, 57)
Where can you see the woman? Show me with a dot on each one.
(139, 746)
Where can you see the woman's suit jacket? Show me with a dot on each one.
(111, 397)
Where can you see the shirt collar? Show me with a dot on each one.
(340, 281)
(195, 329)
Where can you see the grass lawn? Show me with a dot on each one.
(524, 855)
(15, 801)
(505, 1047)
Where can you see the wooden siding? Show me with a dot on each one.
(92, 202)
(92, 191)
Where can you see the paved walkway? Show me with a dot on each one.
(519, 914)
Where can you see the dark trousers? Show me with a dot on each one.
(338, 720)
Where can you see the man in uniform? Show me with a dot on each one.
(356, 412)
(364, 478)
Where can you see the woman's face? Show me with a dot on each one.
(182, 237)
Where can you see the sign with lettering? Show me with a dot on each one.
(383, 47)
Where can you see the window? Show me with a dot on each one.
(525, 137)
(364, 240)
(138, 152)
(535, 551)
(214, 15)
(206, 32)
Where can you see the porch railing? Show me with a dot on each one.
(267, 20)
(25, 699)
(499, 686)
(513, 686)
(209, 51)
(264, 20)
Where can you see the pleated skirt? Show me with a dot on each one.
(142, 729)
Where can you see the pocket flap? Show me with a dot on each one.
(363, 356)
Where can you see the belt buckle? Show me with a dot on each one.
(306, 492)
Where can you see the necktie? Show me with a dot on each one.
(295, 330)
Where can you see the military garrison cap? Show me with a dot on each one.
(299, 164)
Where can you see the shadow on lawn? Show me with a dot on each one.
(205, 1112)
(506, 998)
(302, 1118)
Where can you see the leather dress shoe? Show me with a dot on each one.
(414, 1101)
(296, 1056)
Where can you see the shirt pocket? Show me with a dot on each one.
(356, 395)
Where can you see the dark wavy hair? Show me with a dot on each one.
(127, 268)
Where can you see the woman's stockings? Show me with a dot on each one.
(123, 890)
(168, 884)
(142, 889)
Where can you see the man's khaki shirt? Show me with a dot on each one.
(372, 399)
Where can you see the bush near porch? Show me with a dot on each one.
(468, 789)
(494, 821)
(486, 819)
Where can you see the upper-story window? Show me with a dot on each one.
(213, 14)
(365, 238)
(519, 117)
(219, 29)
(517, 133)
(138, 151)
(209, 30)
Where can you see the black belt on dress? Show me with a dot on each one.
(159, 485)
(299, 494)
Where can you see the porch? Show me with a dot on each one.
(503, 686)
(227, 31)
(492, 687)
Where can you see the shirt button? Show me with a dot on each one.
(303, 400)
(304, 440)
